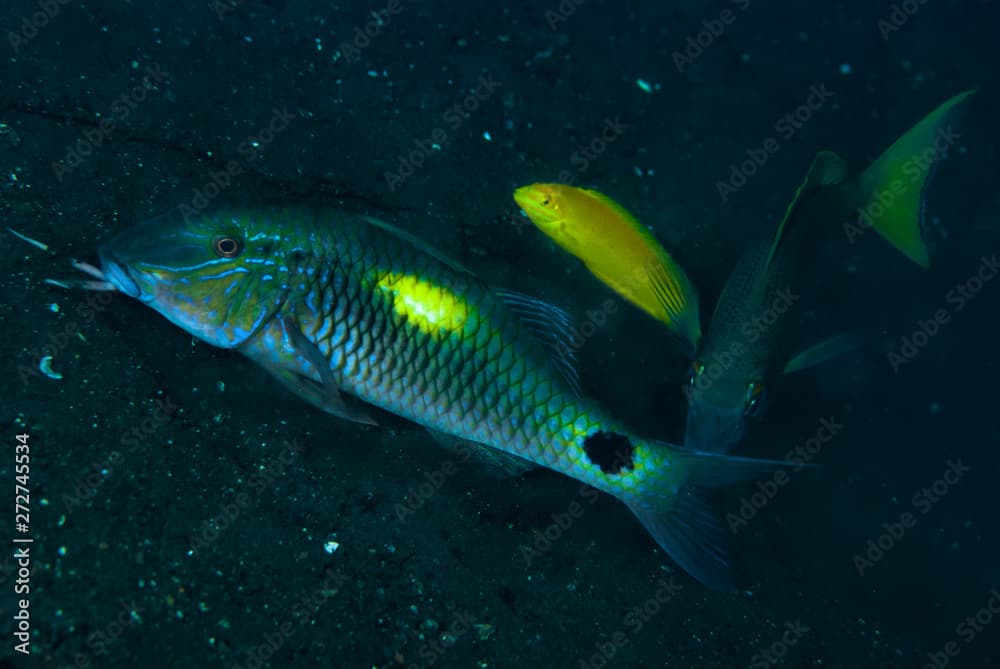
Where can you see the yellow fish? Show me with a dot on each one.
(618, 250)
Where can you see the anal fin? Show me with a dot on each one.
(499, 464)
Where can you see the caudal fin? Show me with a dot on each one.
(683, 522)
(891, 194)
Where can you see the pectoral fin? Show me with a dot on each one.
(325, 393)
(823, 351)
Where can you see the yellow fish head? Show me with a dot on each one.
(541, 202)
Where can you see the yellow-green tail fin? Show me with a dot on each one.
(892, 188)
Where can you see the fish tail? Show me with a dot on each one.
(891, 193)
(680, 517)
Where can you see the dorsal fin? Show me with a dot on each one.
(552, 327)
(418, 243)
(827, 169)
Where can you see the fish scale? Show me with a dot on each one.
(335, 304)
(436, 370)
(494, 370)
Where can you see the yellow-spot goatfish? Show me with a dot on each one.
(739, 354)
(342, 308)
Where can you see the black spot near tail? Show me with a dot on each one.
(610, 451)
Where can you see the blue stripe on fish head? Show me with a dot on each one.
(220, 276)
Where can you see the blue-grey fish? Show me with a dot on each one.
(745, 347)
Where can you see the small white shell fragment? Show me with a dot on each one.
(331, 547)
(45, 365)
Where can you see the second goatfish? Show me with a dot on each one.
(743, 352)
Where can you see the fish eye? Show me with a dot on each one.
(754, 399)
(227, 247)
(696, 369)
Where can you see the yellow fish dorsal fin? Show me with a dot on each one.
(626, 218)
(827, 169)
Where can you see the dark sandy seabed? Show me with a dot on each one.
(149, 435)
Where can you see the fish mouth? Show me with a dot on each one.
(527, 200)
(118, 275)
(713, 428)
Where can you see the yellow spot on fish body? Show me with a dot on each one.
(431, 308)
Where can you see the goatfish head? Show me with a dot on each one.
(218, 276)
(722, 401)
(616, 249)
